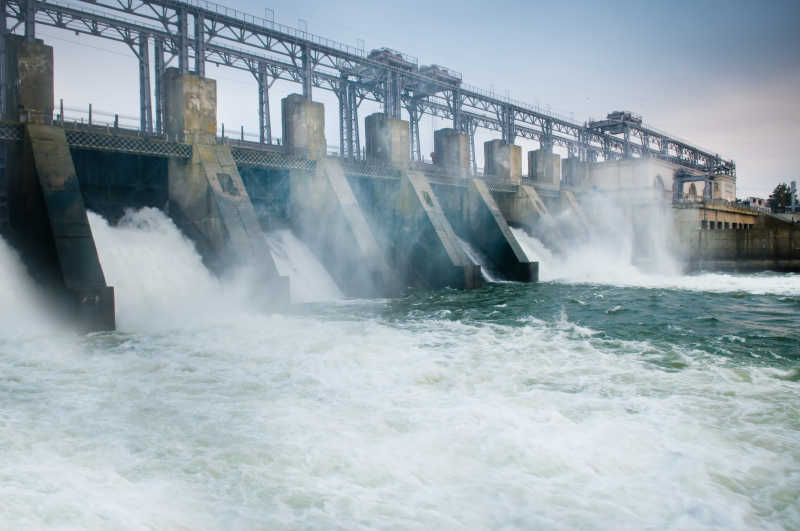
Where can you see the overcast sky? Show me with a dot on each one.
(723, 75)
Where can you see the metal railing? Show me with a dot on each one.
(275, 26)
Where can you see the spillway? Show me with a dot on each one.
(309, 281)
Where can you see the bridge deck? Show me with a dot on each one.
(122, 140)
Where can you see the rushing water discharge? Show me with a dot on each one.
(599, 398)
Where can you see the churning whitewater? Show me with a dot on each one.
(598, 398)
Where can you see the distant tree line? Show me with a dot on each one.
(781, 198)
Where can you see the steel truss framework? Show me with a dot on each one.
(188, 35)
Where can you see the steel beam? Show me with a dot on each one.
(3, 37)
(159, 69)
(30, 19)
(199, 45)
(308, 71)
(183, 40)
(227, 38)
(264, 125)
(145, 105)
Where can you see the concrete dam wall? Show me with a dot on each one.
(377, 226)
(375, 236)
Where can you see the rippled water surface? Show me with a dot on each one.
(567, 404)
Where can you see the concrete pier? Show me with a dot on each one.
(451, 151)
(524, 208)
(387, 140)
(477, 218)
(424, 246)
(47, 220)
(502, 160)
(544, 167)
(325, 213)
(303, 123)
(207, 197)
(575, 172)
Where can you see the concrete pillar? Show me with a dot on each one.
(476, 217)
(387, 140)
(544, 167)
(576, 172)
(303, 124)
(325, 213)
(425, 247)
(523, 208)
(191, 107)
(46, 213)
(502, 160)
(451, 151)
(29, 80)
(207, 197)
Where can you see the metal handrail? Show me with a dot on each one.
(275, 26)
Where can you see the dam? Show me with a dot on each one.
(378, 217)
(254, 278)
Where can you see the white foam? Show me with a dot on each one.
(609, 263)
(159, 279)
(23, 307)
(308, 279)
(477, 258)
(292, 422)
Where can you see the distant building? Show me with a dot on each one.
(757, 203)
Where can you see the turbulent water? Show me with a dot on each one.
(634, 400)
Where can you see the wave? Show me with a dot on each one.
(607, 265)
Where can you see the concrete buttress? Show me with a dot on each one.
(423, 245)
(46, 212)
(478, 219)
(50, 227)
(207, 197)
(325, 213)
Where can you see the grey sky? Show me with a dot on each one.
(723, 75)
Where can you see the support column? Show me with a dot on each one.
(451, 151)
(3, 36)
(207, 197)
(183, 40)
(145, 105)
(264, 121)
(353, 102)
(345, 118)
(47, 217)
(415, 115)
(627, 153)
(455, 108)
(326, 215)
(477, 218)
(421, 243)
(344, 110)
(502, 161)
(392, 89)
(575, 172)
(471, 128)
(30, 19)
(159, 85)
(199, 46)
(387, 140)
(303, 127)
(308, 72)
(544, 167)
(507, 124)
